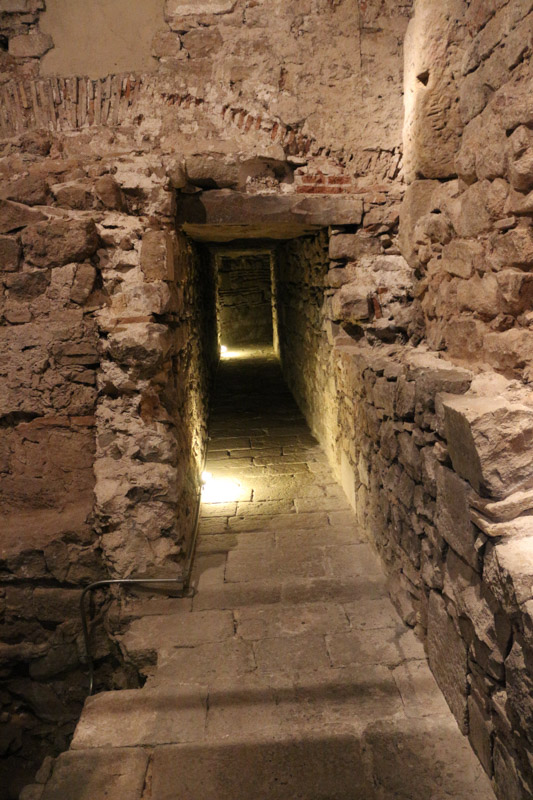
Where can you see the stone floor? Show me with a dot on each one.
(287, 675)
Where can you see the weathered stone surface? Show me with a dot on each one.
(431, 90)
(517, 290)
(504, 510)
(140, 344)
(480, 730)
(509, 573)
(82, 285)
(9, 253)
(109, 193)
(417, 202)
(211, 172)
(31, 190)
(213, 215)
(157, 256)
(519, 683)
(186, 8)
(404, 754)
(508, 780)
(32, 45)
(271, 768)
(73, 194)
(509, 347)
(55, 243)
(489, 442)
(447, 653)
(97, 773)
(160, 716)
(453, 518)
(14, 216)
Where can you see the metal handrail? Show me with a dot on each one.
(96, 585)
(182, 582)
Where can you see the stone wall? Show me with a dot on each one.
(50, 359)
(300, 268)
(466, 221)
(108, 342)
(252, 67)
(244, 300)
(432, 446)
(436, 461)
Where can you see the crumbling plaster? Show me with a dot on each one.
(100, 37)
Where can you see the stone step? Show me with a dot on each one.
(393, 759)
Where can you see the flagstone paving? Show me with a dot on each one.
(287, 675)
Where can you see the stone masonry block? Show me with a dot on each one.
(9, 254)
(453, 515)
(32, 45)
(157, 256)
(196, 7)
(15, 215)
(98, 773)
(490, 442)
(447, 654)
(59, 242)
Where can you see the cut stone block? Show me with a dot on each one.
(157, 256)
(292, 655)
(509, 571)
(453, 515)
(421, 696)
(14, 216)
(424, 759)
(186, 7)
(130, 718)
(91, 774)
(388, 646)
(314, 767)
(275, 621)
(211, 216)
(178, 630)
(203, 663)
(490, 442)
(447, 653)
(32, 45)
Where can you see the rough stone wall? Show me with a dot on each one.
(106, 319)
(466, 221)
(434, 448)
(244, 300)
(300, 268)
(251, 66)
(436, 460)
(47, 406)
(456, 548)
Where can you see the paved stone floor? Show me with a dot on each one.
(288, 675)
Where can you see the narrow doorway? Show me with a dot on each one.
(244, 300)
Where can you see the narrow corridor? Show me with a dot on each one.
(287, 675)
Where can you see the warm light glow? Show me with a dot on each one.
(235, 353)
(223, 348)
(219, 490)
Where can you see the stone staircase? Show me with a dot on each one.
(287, 674)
